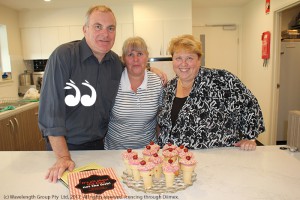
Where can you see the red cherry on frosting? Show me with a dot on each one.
(170, 149)
(188, 157)
(155, 155)
(169, 144)
(148, 147)
(143, 162)
(151, 143)
(185, 150)
(170, 161)
(129, 150)
(135, 157)
(181, 147)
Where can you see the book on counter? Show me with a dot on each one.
(88, 167)
(95, 184)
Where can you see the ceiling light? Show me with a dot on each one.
(47, 0)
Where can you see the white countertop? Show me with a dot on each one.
(267, 173)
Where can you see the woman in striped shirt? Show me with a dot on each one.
(133, 117)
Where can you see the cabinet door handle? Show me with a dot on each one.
(17, 122)
(12, 127)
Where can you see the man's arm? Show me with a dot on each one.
(63, 159)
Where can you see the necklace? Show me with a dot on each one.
(188, 87)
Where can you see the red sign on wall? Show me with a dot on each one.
(267, 7)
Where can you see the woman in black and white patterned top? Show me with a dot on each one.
(206, 108)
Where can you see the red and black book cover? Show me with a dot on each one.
(95, 184)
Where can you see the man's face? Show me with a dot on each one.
(100, 33)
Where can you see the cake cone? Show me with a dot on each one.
(146, 157)
(158, 171)
(128, 169)
(147, 178)
(136, 173)
(187, 173)
(169, 177)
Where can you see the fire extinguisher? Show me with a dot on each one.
(266, 38)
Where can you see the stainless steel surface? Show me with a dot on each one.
(37, 79)
(25, 78)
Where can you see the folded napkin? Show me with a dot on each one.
(7, 108)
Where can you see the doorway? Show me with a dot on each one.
(286, 82)
(220, 46)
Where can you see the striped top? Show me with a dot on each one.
(133, 117)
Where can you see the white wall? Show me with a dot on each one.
(9, 18)
(259, 79)
(218, 16)
(226, 15)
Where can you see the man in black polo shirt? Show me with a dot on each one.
(80, 83)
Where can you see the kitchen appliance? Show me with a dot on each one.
(25, 78)
(25, 82)
(164, 64)
(37, 79)
(39, 65)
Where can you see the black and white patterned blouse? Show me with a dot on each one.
(219, 112)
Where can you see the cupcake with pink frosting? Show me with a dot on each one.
(157, 160)
(188, 165)
(180, 149)
(134, 163)
(146, 171)
(168, 146)
(154, 146)
(128, 154)
(148, 152)
(170, 154)
(185, 153)
(170, 170)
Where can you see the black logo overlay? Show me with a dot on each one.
(96, 184)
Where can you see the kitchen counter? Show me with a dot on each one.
(19, 109)
(267, 173)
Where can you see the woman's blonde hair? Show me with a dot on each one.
(134, 44)
(187, 43)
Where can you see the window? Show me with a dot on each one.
(5, 65)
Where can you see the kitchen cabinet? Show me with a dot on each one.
(31, 43)
(33, 140)
(158, 33)
(49, 39)
(159, 21)
(39, 43)
(76, 33)
(123, 31)
(10, 139)
(20, 132)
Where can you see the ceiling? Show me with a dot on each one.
(40, 4)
